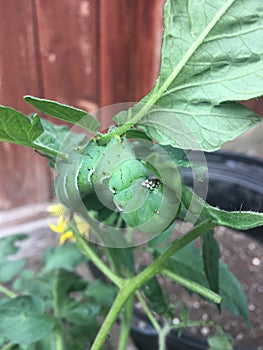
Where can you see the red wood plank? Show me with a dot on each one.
(69, 51)
(256, 105)
(130, 40)
(148, 39)
(117, 21)
(23, 174)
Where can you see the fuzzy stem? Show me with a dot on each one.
(129, 286)
(7, 292)
(194, 287)
(148, 312)
(126, 324)
(162, 337)
(8, 346)
(111, 318)
(59, 336)
(88, 251)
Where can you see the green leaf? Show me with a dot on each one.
(197, 127)
(58, 138)
(184, 318)
(189, 268)
(67, 256)
(211, 51)
(22, 320)
(83, 314)
(210, 256)
(240, 220)
(8, 245)
(136, 134)
(47, 343)
(29, 283)
(161, 238)
(233, 298)
(211, 56)
(15, 127)
(64, 112)
(124, 259)
(101, 293)
(220, 341)
(177, 155)
(159, 301)
(10, 269)
(62, 283)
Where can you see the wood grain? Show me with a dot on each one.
(87, 53)
(148, 40)
(68, 41)
(24, 176)
(130, 44)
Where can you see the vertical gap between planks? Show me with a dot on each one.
(37, 48)
(40, 79)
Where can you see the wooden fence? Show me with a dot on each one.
(87, 53)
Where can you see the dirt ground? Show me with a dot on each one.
(244, 256)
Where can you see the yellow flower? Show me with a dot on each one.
(62, 228)
(56, 209)
(65, 236)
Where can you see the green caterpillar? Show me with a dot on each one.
(112, 177)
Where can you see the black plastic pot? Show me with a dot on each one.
(235, 183)
(145, 337)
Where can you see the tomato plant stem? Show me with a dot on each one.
(7, 292)
(148, 312)
(88, 251)
(194, 287)
(129, 286)
(126, 324)
(59, 336)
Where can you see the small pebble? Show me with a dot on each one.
(142, 324)
(205, 317)
(205, 331)
(256, 261)
(251, 307)
(176, 320)
(196, 304)
(251, 246)
(239, 336)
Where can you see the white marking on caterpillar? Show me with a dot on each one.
(90, 172)
(113, 190)
(151, 184)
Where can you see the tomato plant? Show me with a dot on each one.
(126, 184)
